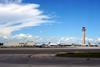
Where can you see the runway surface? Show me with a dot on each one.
(46, 50)
(44, 57)
(45, 60)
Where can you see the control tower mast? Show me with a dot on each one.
(83, 36)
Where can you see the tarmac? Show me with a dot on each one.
(45, 60)
(45, 57)
(47, 50)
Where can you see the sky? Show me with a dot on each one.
(49, 20)
(69, 16)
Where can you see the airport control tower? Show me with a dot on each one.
(83, 36)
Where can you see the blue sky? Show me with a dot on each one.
(68, 17)
(54, 19)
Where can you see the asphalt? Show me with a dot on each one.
(45, 60)
(44, 57)
(47, 50)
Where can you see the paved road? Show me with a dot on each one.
(43, 57)
(46, 50)
(45, 60)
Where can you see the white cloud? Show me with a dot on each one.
(89, 39)
(16, 16)
(10, 1)
(69, 40)
(62, 40)
(98, 39)
(25, 38)
(19, 38)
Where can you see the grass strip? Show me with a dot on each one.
(79, 54)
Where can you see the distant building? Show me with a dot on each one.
(26, 44)
(21, 44)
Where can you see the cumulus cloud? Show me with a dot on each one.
(25, 37)
(69, 40)
(10, 1)
(62, 40)
(19, 38)
(98, 39)
(15, 16)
